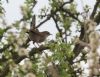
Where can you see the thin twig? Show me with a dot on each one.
(53, 13)
(43, 21)
(59, 30)
(71, 15)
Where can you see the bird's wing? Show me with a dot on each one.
(36, 32)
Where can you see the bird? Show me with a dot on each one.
(36, 36)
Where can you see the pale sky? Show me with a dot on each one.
(13, 10)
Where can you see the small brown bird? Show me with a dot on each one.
(36, 36)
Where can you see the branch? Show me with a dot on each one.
(97, 18)
(78, 48)
(43, 21)
(53, 13)
(17, 59)
(66, 3)
(71, 15)
(59, 30)
(37, 50)
(95, 9)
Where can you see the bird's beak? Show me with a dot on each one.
(50, 34)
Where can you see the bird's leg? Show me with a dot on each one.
(36, 45)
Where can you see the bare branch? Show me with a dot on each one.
(43, 21)
(37, 50)
(71, 15)
(95, 9)
(53, 13)
(59, 30)
(97, 18)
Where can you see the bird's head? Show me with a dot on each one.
(46, 33)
